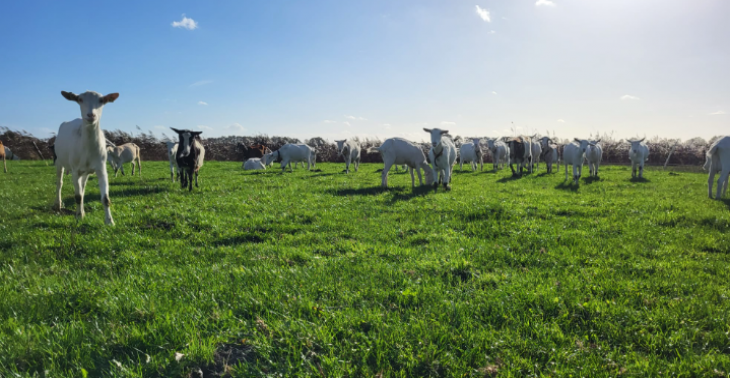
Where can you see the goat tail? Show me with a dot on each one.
(373, 150)
(708, 157)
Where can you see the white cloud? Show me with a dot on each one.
(236, 127)
(494, 93)
(629, 97)
(202, 103)
(203, 127)
(160, 127)
(483, 14)
(356, 118)
(346, 123)
(561, 120)
(447, 123)
(329, 121)
(719, 112)
(546, 3)
(492, 32)
(199, 83)
(386, 125)
(185, 23)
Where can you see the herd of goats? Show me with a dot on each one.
(81, 149)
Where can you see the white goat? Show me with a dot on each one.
(292, 153)
(172, 156)
(471, 153)
(574, 154)
(120, 155)
(536, 153)
(500, 152)
(442, 157)
(718, 160)
(549, 152)
(398, 151)
(594, 155)
(80, 147)
(10, 155)
(638, 154)
(253, 164)
(350, 151)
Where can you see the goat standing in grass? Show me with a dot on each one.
(442, 157)
(190, 157)
(638, 154)
(549, 153)
(398, 151)
(536, 153)
(520, 153)
(594, 155)
(350, 151)
(2, 154)
(471, 153)
(574, 154)
(292, 153)
(718, 160)
(123, 154)
(172, 157)
(500, 153)
(80, 147)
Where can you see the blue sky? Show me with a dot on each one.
(372, 68)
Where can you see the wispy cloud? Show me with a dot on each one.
(185, 23)
(202, 103)
(629, 97)
(203, 127)
(346, 123)
(329, 121)
(236, 127)
(386, 125)
(494, 93)
(546, 3)
(561, 120)
(447, 123)
(483, 14)
(199, 83)
(356, 118)
(492, 32)
(719, 112)
(160, 127)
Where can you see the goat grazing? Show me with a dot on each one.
(120, 155)
(499, 151)
(574, 154)
(190, 156)
(398, 151)
(442, 157)
(594, 155)
(172, 157)
(520, 153)
(80, 147)
(292, 153)
(471, 153)
(350, 151)
(638, 154)
(549, 153)
(718, 160)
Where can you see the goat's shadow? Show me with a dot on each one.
(124, 183)
(327, 174)
(392, 171)
(567, 185)
(369, 191)
(640, 180)
(509, 178)
(418, 191)
(726, 201)
(489, 172)
(545, 174)
(591, 179)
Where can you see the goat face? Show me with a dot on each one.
(545, 142)
(91, 104)
(635, 145)
(583, 144)
(341, 146)
(436, 135)
(186, 141)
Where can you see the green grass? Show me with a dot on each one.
(324, 274)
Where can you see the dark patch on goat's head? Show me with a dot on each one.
(186, 139)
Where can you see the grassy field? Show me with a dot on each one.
(323, 274)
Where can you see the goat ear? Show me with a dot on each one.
(426, 130)
(196, 133)
(576, 139)
(109, 98)
(598, 141)
(444, 132)
(641, 140)
(70, 96)
(176, 130)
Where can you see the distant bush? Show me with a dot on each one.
(26, 146)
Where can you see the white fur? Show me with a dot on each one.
(574, 154)
(549, 152)
(442, 156)
(253, 164)
(521, 161)
(10, 155)
(471, 153)
(120, 155)
(292, 153)
(638, 154)
(171, 155)
(536, 152)
(499, 151)
(80, 147)
(350, 151)
(398, 151)
(718, 160)
(594, 155)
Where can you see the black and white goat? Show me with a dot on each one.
(190, 156)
